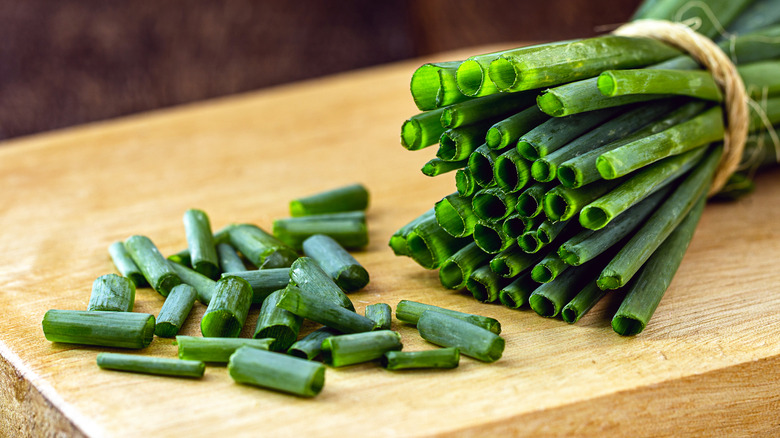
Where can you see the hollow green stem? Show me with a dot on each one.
(481, 163)
(422, 130)
(228, 308)
(160, 366)
(174, 311)
(549, 268)
(152, 264)
(439, 358)
(202, 284)
(411, 311)
(437, 166)
(352, 197)
(309, 346)
(562, 203)
(200, 242)
(215, 350)
(113, 293)
(490, 237)
(347, 228)
(493, 204)
(457, 144)
(229, 260)
(464, 182)
(582, 303)
(692, 83)
(454, 272)
(277, 371)
(262, 249)
(455, 215)
(429, 245)
(351, 349)
(476, 110)
(531, 201)
(276, 323)
(307, 274)
(381, 314)
(484, 284)
(512, 262)
(125, 264)
(506, 132)
(433, 85)
(511, 171)
(557, 132)
(347, 272)
(584, 96)
(471, 340)
(398, 240)
(322, 310)
(106, 329)
(515, 294)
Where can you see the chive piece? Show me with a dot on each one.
(530, 242)
(457, 144)
(549, 268)
(582, 97)
(324, 311)
(480, 163)
(113, 293)
(381, 314)
(484, 284)
(203, 254)
(421, 130)
(695, 83)
(262, 249)
(152, 264)
(663, 221)
(549, 298)
(277, 371)
(410, 312)
(562, 203)
(557, 132)
(476, 110)
(506, 132)
(456, 269)
(437, 166)
(347, 272)
(343, 350)
(398, 240)
(229, 260)
(215, 350)
(263, 281)
(548, 231)
(429, 245)
(464, 182)
(493, 204)
(125, 264)
(310, 346)
(434, 84)
(202, 284)
(515, 225)
(530, 202)
(490, 237)
(646, 292)
(472, 78)
(228, 308)
(439, 358)
(455, 215)
(175, 310)
(183, 257)
(161, 366)
(582, 303)
(471, 340)
(701, 130)
(277, 324)
(515, 294)
(347, 228)
(511, 171)
(306, 274)
(107, 329)
(347, 198)
(512, 262)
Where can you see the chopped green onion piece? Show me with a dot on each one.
(310, 346)
(442, 358)
(343, 350)
(262, 249)
(113, 293)
(437, 166)
(277, 324)
(513, 261)
(506, 132)
(493, 204)
(515, 294)
(381, 314)
(347, 228)
(484, 284)
(490, 237)
(511, 171)
(692, 83)
(434, 84)
(183, 257)
(215, 350)
(582, 303)
(455, 215)
(548, 231)
(307, 274)
(203, 254)
(429, 245)
(454, 272)
(201, 283)
(515, 225)
(322, 310)
(422, 130)
(175, 310)
(161, 366)
(476, 110)
(549, 298)
(529, 241)
(410, 312)
(229, 260)
(583, 97)
(464, 182)
(347, 198)
(472, 340)
(125, 264)
(228, 308)
(481, 163)
(107, 329)
(347, 272)
(277, 371)
(398, 239)
(531, 201)
(562, 203)
(456, 144)
(549, 268)
(557, 132)
(152, 264)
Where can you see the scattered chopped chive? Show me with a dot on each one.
(454, 271)
(352, 197)
(514, 226)
(549, 268)
(490, 237)
(307, 274)
(422, 130)
(480, 163)
(398, 239)
(125, 264)
(429, 245)
(562, 203)
(693, 83)
(310, 346)
(175, 310)
(515, 294)
(513, 261)
(183, 257)
(347, 272)
(455, 215)
(531, 201)
(506, 132)
(437, 166)
(152, 264)
(161, 366)
(549, 298)
(583, 97)
(442, 358)
(200, 242)
(215, 350)
(113, 293)
(202, 284)
(476, 110)
(277, 324)
(343, 350)
(322, 310)
(410, 312)
(557, 132)
(262, 249)
(511, 171)
(347, 228)
(381, 314)
(107, 329)
(472, 340)
(663, 221)
(484, 284)
(603, 210)
(493, 204)
(277, 371)
(228, 308)
(229, 260)
(582, 302)
(457, 144)
(464, 182)
(646, 292)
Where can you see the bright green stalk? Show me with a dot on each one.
(531, 201)
(276, 323)
(262, 249)
(351, 197)
(506, 132)
(583, 97)
(422, 130)
(455, 215)
(125, 264)
(343, 350)
(263, 281)
(481, 165)
(307, 274)
(760, 45)
(228, 308)
(322, 310)
(183, 257)
(549, 298)
(398, 240)
(411, 311)
(152, 264)
(381, 314)
(515, 225)
(582, 303)
(215, 350)
(200, 242)
(347, 228)
(106, 329)
(347, 272)
(433, 85)
(457, 144)
(201, 283)
(511, 171)
(557, 132)
(493, 204)
(529, 241)
(112, 293)
(761, 78)
(515, 294)
(562, 203)
(174, 311)
(484, 284)
(464, 182)
(160, 366)
(437, 166)
(548, 231)
(429, 245)
(229, 260)
(471, 340)
(277, 371)
(477, 110)
(440, 358)
(549, 268)
(513, 261)
(311, 345)
(490, 237)
(623, 83)
(454, 272)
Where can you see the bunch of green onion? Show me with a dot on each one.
(582, 167)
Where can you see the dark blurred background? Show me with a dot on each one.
(67, 62)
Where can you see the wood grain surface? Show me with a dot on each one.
(708, 363)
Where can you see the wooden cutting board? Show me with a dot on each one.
(708, 363)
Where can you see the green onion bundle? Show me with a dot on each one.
(583, 166)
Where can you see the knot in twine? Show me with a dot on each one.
(723, 71)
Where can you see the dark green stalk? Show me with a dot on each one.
(484, 284)
(515, 225)
(307, 274)
(583, 96)
(429, 245)
(347, 228)
(174, 311)
(723, 11)
(557, 132)
(310, 346)
(471, 340)
(490, 237)
(464, 182)
(411, 311)
(623, 83)
(160, 366)
(548, 231)
(125, 264)
(761, 78)
(107, 329)
(760, 14)
(457, 144)
(262, 249)
(511, 171)
(228, 308)
(183, 257)
(437, 166)
(433, 85)
(347, 272)
(531, 201)
(398, 239)
(506, 132)
(760, 45)
(493, 204)
(202, 284)
(512, 262)
(562, 203)
(549, 268)
(455, 215)
(476, 110)
(381, 314)
(113, 293)
(277, 324)
(277, 371)
(152, 264)
(472, 76)
(322, 310)
(481, 165)
(352, 197)
(582, 302)
(440, 358)
(422, 130)
(229, 260)
(456, 269)
(515, 294)
(343, 350)
(200, 242)
(549, 298)
(529, 242)
(215, 350)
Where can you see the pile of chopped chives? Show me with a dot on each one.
(582, 167)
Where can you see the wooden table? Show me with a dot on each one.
(709, 361)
